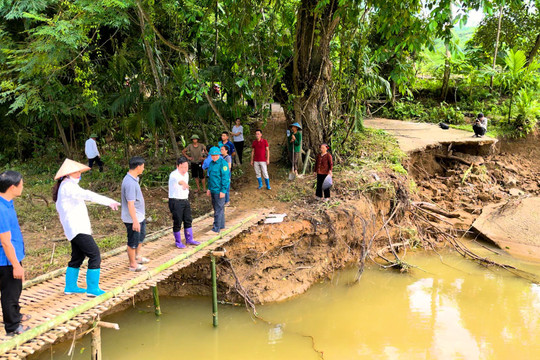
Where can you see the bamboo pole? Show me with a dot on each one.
(40, 329)
(108, 325)
(306, 162)
(157, 307)
(96, 344)
(150, 238)
(214, 291)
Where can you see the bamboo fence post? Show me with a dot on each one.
(68, 315)
(157, 307)
(214, 291)
(308, 160)
(96, 343)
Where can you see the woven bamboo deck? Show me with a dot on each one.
(48, 305)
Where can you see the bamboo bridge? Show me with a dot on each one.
(54, 314)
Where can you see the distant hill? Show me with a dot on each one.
(464, 33)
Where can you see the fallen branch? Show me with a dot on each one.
(241, 290)
(433, 208)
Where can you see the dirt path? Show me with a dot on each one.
(244, 192)
(414, 137)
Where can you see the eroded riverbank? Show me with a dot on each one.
(445, 308)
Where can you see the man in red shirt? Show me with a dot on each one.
(260, 158)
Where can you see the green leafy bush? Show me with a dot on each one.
(527, 112)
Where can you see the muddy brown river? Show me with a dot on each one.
(444, 309)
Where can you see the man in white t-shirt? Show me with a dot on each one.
(92, 153)
(179, 203)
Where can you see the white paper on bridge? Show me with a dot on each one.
(274, 218)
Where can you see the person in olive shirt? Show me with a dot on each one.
(195, 153)
(295, 145)
(218, 185)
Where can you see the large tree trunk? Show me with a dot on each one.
(155, 74)
(63, 136)
(312, 69)
(534, 51)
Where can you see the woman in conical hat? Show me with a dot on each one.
(70, 203)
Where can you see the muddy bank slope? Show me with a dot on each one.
(273, 262)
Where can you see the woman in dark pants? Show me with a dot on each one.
(323, 168)
(238, 139)
(70, 203)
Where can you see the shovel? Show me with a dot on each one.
(292, 175)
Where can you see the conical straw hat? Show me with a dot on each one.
(69, 167)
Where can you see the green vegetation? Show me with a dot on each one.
(146, 75)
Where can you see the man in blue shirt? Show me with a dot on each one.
(225, 142)
(11, 254)
(218, 184)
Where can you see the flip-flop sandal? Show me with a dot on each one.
(19, 331)
(139, 268)
(26, 317)
(143, 260)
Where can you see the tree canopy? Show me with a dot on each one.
(160, 70)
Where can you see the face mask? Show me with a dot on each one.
(76, 179)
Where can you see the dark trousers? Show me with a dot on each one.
(96, 160)
(84, 245)
(181, 213)
(10, 292)
(239, 149)
(219, 212)
(196, 170)
(478, 130)
(319, 192)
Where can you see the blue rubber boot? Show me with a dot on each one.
(72, 275)
(260, 183)
(267, 181)
(92, 283)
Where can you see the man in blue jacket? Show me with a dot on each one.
(218, 184)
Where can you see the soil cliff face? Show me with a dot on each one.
(273, 262)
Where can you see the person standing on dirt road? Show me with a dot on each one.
(480, 125)
(295, 145)
(11, 254)
(195, 153)
(238, 139)
(218, 184)
(260, 159)
(92, 153)
(133, 214)
(179, 203)
(70, 203)
(323, 168)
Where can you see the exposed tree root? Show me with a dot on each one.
(434, 233)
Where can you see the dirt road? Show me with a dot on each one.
(413, 137)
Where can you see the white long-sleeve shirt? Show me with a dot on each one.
(72, 210)
(90, 148)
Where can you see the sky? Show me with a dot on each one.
(475, 17)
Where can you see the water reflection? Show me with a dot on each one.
(461, 311)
